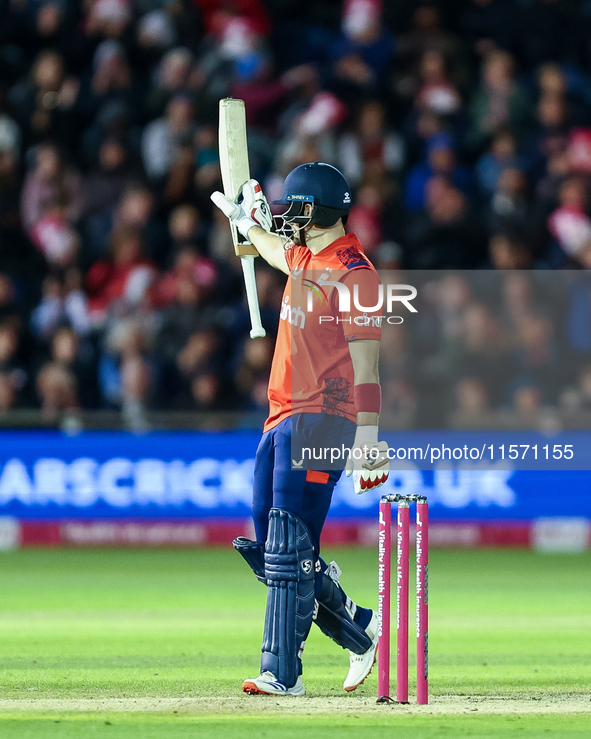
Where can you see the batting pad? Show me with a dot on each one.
(289, 569)
(254, 554)
(334, 620)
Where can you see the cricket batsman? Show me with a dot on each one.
(323, 392)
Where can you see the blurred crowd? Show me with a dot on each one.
(491, 350)
(463, 126)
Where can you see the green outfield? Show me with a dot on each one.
(156, 644)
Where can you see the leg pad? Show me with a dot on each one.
(289, 571)
(254, 554)
(334, 618)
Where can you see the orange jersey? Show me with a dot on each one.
(312, 371)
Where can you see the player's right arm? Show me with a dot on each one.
(270, 247)
(252, 218)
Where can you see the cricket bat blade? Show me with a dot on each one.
(235, 171)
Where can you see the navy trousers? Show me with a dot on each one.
(304, 493)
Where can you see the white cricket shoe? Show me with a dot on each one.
(267, 684)
(360, 665)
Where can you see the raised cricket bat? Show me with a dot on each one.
(235, 172)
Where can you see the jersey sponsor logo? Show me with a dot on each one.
(352, 259)
(295, 316)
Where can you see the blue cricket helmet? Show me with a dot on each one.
(323, 186)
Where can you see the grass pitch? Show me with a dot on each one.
(156, 644)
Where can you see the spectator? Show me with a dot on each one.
(50, 183)
(536, 353)
(399, 408)
(10, 182)
(45, 103)
(580, 398)
(54, 236)
(9, 305)
(105, 185)
(108, 18)
(196, 363)
(442, 162)
(172, 78)
(125, 278)
(12, 374)
(426, 33)
(527, 410)
(501, 155)
(163, 137)
(445, 234)
(370, 141)
(253, 375)
(569, 223)
(183, 316)
(156, 31)
(184, 225)
(125, 376)
(437, 93)
(53, 27)
(500, 101)
(551, 136)
(472, 405)
(59, 380)
(362, 53)
(63, 303)
(137, 210)
(509, 207)
(193, 270)
(111, 80)
(506, 251)
(365, 218)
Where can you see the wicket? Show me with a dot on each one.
(402, 593)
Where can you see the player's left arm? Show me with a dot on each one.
(368, 462)
(364, 356)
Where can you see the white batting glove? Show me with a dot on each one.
(368, 462)
(250, 209)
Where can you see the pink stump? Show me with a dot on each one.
(402, 567)
(422, 602)
(384, 557)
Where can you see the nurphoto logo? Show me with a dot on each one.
(394, 294)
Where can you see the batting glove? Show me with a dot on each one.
(368, 462)
(249, 209)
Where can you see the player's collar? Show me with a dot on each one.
(347, 240)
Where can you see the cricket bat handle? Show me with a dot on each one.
(257, 331)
